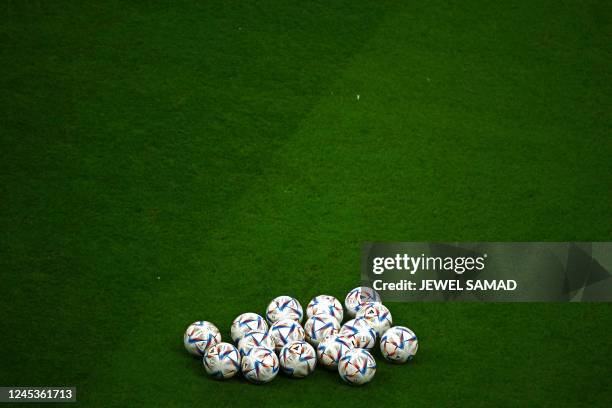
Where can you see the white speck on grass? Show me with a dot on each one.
(358, 96)
(159, 277)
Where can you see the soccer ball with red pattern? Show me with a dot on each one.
(357, 297)
(399, 344)
(378, 315)
(320, 326)
(222, 361)
(361, 331)
(260, 365)
(332, 348)
(285, 331)
(357, 367)
(297, 359)
(199, 336)
(325, 304)
(254, 339)
(284, 307)
(246, 323)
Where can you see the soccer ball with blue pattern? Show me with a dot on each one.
(399, 344)
(260, 365)
(246, 323)
(285, 331)
(222, 361)
(320, 326)
(325, 304)
(297, 359)
(284, 307)
(357, 297)
(378, 315)
(254, 339)
(199, 336)
(357, 367)
(332, 348)
(361, 331)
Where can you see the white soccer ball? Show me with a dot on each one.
(199, 336)
(260, 365)
(378, 315)
(285, 331)
(361, 331)
(332, 348)
(325, 304)
(254, 339)
(284, 307)
(320, 326)
(297, 359)
(399, 344)
(358, 296)
(246, 323)
(357, 366)
(222, 361)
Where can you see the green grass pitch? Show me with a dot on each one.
(165, 162)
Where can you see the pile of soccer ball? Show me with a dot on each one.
(287, 345)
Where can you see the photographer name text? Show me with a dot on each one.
(431, 285)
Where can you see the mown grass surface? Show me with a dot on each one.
(161, 164)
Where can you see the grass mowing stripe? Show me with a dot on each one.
(130, 129)
(222, 281)
(392, 166)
